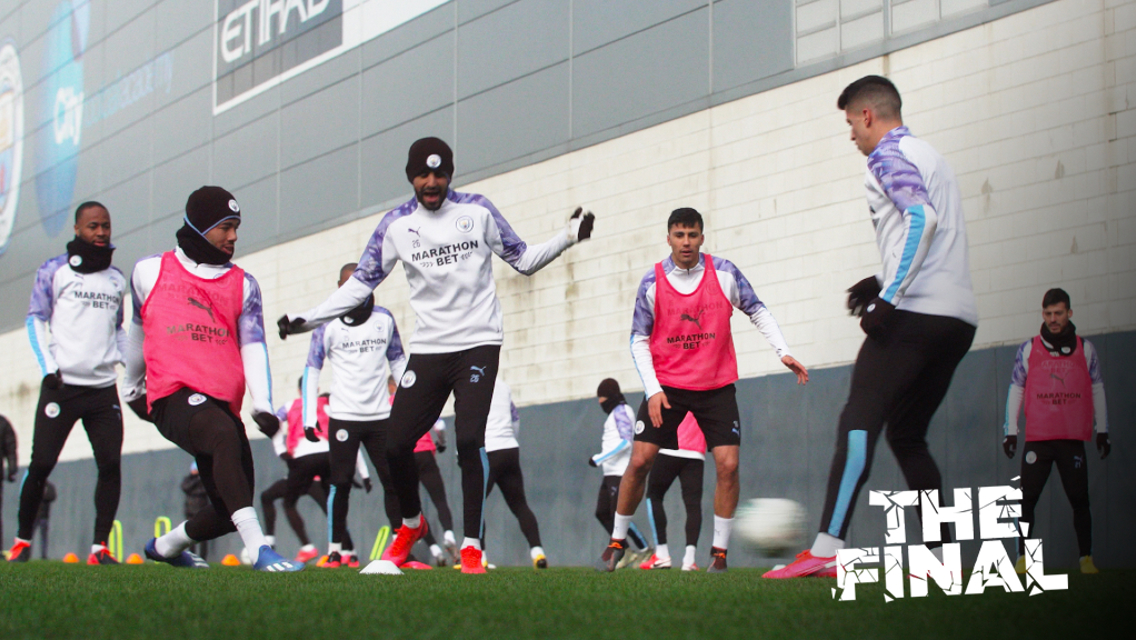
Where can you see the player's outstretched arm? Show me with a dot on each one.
(528, 259)
(309, 385)
(39, 314)
(254, 357)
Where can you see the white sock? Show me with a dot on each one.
(414, 522)
(271, 541)
(435, 551)
(662, 552)
(826, 546)
(688, 559)
(536, 552)
(248, 526)
(622, 524)
(95, 548)
(471, 542)
(332, 547)
(174, 542)
(722, 528)
(449, 538)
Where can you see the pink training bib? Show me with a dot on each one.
(691, 344)
(425, 443)
(690, 436)
(190, 328)
(1058, 395)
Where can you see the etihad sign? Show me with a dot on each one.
(260, 43)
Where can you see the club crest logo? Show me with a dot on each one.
(464, 224)
(51, 410)
(1031, 457)
(11, 137)
(639, 426)
(195, 399)
(75, 261)
(234, 207)
(434, 161)
(408, 379)
(341, 435)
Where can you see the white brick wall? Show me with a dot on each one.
(1036, 112)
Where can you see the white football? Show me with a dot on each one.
(773, 527)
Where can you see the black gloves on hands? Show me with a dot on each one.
(591, 461)
(862, 293)
(875, 316)
(1010, 445)
(368, 485)
(310, 434)
(268, 423)
(1104, 446)
(580, 224)
(140, 408)
(54, 380)
(288, 327)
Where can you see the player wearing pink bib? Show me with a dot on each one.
(1057, 376)
(196, 344)
(684, 352)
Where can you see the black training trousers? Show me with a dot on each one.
(1072, 465)
(277, 491)
(606, 503)
(56, 414)
(431, 478)
(505, 472)
(688, 471)
(900, 377)
(344, 439)
(425, 387)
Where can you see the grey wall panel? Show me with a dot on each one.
(125, 50)
(640, 75)
(32, 247)
(326, 187)
(121, 12)
(409, 35)
(331, 73)
(240, 115)
(752, 40)
(178, 21)
(175, 179)
(247, 154)
(129, 204)
(161, 231)
(181, 126)
(383, 156)
(319, 123)
(514, 120)
(598, 22)
(126, 153)
(511, 42)
(188, 71)
(473, 9)
(259, 210)
(404, 87)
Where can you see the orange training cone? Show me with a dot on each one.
(71, 558)
(231, 561)
(134, 559)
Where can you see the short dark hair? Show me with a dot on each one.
(87, 205)
(877, 91)
(300, 384)
(1053, 296)
(686, 217)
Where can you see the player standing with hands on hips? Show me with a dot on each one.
(684, 351)
(79, 294)
(919, 314)
(196, 343)
(1057, 376)
(445, 240)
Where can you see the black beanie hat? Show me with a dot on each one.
(210, 206)
(429, 154)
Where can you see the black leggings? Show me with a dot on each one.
(899, 378)
(56, 414)
(344, 451)
(663, 474)
(210, 432)
(606, 503)
(431, 478)
(425, 387)
(505, 472)
(279, 491)
(1038, 459)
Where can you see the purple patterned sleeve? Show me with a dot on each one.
(1021, 364)
(43, 291)
(749, 301)
(514, 415)
(394, 348)
(316, 352)
(643, 320)
(514, 247)
(251, 323)
(899, 178)
(370, 270)
(623, 422)
(1094, 363)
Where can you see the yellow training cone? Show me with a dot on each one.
(322, 561)
(71, 558)
(231, 561)
(134, 559)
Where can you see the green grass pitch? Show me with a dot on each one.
(54, 600)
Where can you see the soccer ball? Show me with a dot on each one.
(771, 526)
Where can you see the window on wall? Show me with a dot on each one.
(826, 28)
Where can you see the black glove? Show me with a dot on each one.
(368, 485)
(288, 327)
(138, 406)
(587, 222)
(287, 458)
(268, 423)
(440, 445)
(310, 434)
(591, 461)
(861, 293)
(54, 380)
(1010, 445)
(1103, 445)
(875, 317)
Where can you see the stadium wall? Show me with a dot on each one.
(1034, 110)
